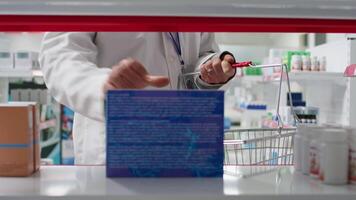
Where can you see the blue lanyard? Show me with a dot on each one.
(177, 47)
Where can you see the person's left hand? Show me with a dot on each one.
(216, 71)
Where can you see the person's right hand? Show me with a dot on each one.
(130, 74)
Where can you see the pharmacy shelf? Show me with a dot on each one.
(306, 76)
(21, 74)
(294, 76)
(4, 80)
(89, 183)
(317, 76)
(331, 9)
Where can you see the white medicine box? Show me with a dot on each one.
(26, 60)
(6, 60)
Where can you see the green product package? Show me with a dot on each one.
(250, 71)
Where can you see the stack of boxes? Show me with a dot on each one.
(19, 139)
(306, 114)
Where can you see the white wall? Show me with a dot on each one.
(20, 41)
(4, 42)
(336, 53)
(279, 40)
(255, 46)
(246, 52)
(332, 37)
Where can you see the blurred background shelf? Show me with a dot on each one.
(293, 76)
(316, 75)
(21, 74)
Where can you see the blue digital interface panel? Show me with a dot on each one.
(156, 133)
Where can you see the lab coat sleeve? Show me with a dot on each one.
(69, 64)
(208, 50)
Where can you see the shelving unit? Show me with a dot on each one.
(294, 76)
(4, 80)
(21, 74)
(331, 92)
(46, 123)
(316, 76)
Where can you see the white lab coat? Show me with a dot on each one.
(76, 65)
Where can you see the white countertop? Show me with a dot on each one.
(89, 182)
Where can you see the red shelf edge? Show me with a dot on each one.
(35, 23)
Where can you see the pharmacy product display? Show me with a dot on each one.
(18, 61)
(253, 114)
(297, 60)
(29, 91)
(305, 114)
(49, 122)
(6, 61)
(325, 153)
(304, 61)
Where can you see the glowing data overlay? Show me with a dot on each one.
(164, 133)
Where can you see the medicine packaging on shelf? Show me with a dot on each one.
(35, 95)
(19, 147)
(35, 107)
(6, 61)
(26, 60)
(18, 61)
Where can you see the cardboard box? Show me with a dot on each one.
(164, 133)
(36, 136)
(16, 140)
(35, 108)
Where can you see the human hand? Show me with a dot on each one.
(216, 71)
(130, 74)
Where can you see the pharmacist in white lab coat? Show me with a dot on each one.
(79, 67)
